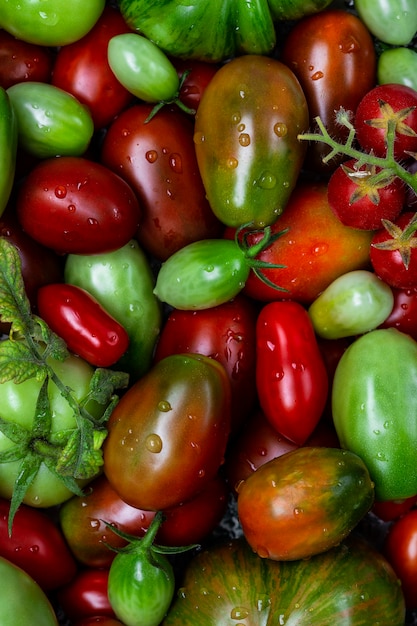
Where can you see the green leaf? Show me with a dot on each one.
(104, 382)
(18, 364)
(14, 304)
(82, 456)
(16, 453)
(69, 481)
(55, 346)
(16, 433)
(29, 467)
(42, 421)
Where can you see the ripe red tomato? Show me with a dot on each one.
(400, 549)
(86, 595)
(380, 105)
(196, 81)
(74, 205)
(158, 160)
(394, 252)
(360, 202)
(22, 61)
(82, 69)
(85, 326)
(404, 312)
(389, 510)
(291, 376)
(101, 620)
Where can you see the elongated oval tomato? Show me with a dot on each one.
(291, 376)
(74, 205)
(85, 326)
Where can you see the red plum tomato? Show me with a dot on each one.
(21, 61)
(400, 549)
(86, 595)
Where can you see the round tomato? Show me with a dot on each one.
(86, 595)
(401, 551)
(21, 61)
(404, 312)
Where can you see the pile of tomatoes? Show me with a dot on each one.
(208, 313)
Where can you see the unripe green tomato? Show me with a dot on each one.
(50, 121)
(142, 68)
(354, 303)
(398, 65)
(391, 21)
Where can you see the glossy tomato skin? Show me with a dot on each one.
(327, 50)
(36, 545)
(74, 205)
(21, 61)
(403, 316)
(225, 333)
(101, 620)
(199, 76)
(315, 250)
(401, 551)
(82, 69)
(247, 151)
(85, 326)
(390, 510)
(158, 160)
(86, 595)
(291, 376)
(168, 434)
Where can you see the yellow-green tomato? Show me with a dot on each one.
(398, 65)
(352, 304)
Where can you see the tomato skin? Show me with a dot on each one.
(85, 326)
(82, 69)
(393, 22)
(86, 595)
(398, 65)
(158, 160)
(103, 620)
(316, 249)
(74, 205)
(291, 376)
(403, 316)
(194, 85)
(51, 564)
(250, 144)
(390, 510)
(8, 147)
(225, 333)
(168, 434)
(325, 50)
(400, 549)
(21, 61)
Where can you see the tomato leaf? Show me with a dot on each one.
(17, 363)
(14, 304)
(29, 467)
(104, 382)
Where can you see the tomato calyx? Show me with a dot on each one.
(368, 182)
(390, 117)
(250, 252)
(402, 239)
(175, 100)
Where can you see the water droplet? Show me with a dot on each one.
(72, 208)
(232, 163)
(91, 221)
(263, 602)
(204, 591)
(267, 180)
(244, 140)
(199, 137)
(280, 129)
(151, 156)
(95, 524)
(239, 612)
(175, 163)
(277, 375)
(298, 511)
(60, 191)
(262, 552)
(125, 132)
(201, 473)
(317, 75)
(350, 44)
(236, 117)
(377, 431)
(164, 406)
(182, 592)
(153, 443)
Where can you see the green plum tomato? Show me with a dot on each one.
(8, 147)
(49, 22)
(393, 22)
(398, 65)
(374, 406)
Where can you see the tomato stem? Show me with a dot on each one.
(175, 100)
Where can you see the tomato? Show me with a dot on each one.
(123, 281)
(158, 160)
(21, 61)
(398, 65)
(404, 312)
(50, 23)
(384, 105)
(400, 549)
(168, 434)
(247, 151)
(390, 510)
(392, 253)
(36, 545)
(85, 326)
(86, 595)
(103, 620)
(327, 50)
(225, 333)
(51, 122)
(314, 250)
(8, 147)
(393, 22)
(291, 377)
(198, 76)
(361, 197)
(373, 406)
(352, 304)
(74, 205)
(82, 69)
(22, 600)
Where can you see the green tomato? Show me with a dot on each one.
(392, 21)
(374, 407)
(8, 148)
(142, 68)
(22, 600)
(296, 9)
(398, 65)
(122, 281)
(352, 304)
(49, 22)
(51, 122)
(17, 405)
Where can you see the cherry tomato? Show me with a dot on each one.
(82, 69)
(199, 75)
(86, 595)
(21, 61)
(404, 312)
(85, 326)
(74, 205)
(400, 548)
(291, 376)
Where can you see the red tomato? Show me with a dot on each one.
(358, 201)
(22, 61)
(36, 545)
(86, 595)
(102, 620)
(291, 376)
(394, 252)
(333, 56)
(225, 333)
(383, 103)
(85, 326)
(199, 75)
(316, 249)
(82, 69)
(401, 551)
(158, 160)
(74, 205)
(404, 312)
(389, 510)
